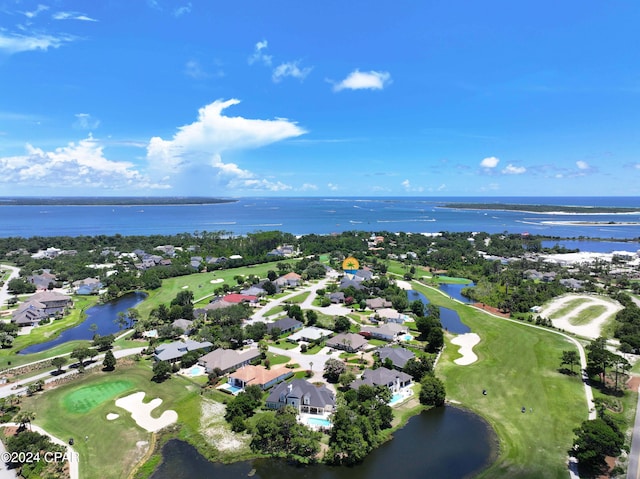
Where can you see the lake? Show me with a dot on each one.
(443, 443)
(102, 315)
(449, 318)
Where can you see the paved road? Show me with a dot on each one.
(10, 388)
(4, 290)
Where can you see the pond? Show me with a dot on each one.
(594, 246)
(449, 318)
(102, 315)
(454, 290)
(446, 442)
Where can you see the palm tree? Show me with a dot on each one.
(26, 417)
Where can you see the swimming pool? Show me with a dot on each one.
(318, 421)
(407, 337)
(196, 371)
(396, 398)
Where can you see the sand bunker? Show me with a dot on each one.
(466, 343)
(141, 412)
(403, 284)
(185, 286)
(111, 416)
(217, 280)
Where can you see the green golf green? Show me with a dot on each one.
(86, 398)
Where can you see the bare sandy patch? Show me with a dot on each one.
(594, 327)
(217, 280)
(403, 284)
(111, 416)
(141, 412)
(216, 430)
(185, 286)
(466, 342)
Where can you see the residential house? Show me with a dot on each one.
(253, 291)
(289, 280)
(228, 359)
(258, 376)
(43, 280)
(337, 297)
(398, 356)
(185, 325)
(236, 298)
(87, 286)
(309, 334)
(285, 325)
(377, 303)
(303, 396)
(572, 283)
(345, 282)
(172, 352)
(389, 315)
(394, 380)
(386, 332)
(350, 342)
(364, 274)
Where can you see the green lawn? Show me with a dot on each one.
(284, 344)
(518, 366)
(587, 315)
(299, 298)
(110, 442)
(277, 358)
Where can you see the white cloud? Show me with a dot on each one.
(75, 166)
(637, 166)
(406, 184)
(178, 12)
(198, 147)
(332, 186)
(16, 43)
(490, 162)
(84, 121)
(36, 12)
(258, 56)
(514, 170)
(194, 70)
(290, 69)
(73, 16)
(308, 187)
(582, 165)
(358, 80)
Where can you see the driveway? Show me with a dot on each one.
(4, 290)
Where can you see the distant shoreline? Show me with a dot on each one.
(545, 209)
(112, 201)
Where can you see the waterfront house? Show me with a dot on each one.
(398, 356)
(303, 396)
(386, 332)
(394, 380)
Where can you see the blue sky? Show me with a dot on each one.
(332, 98)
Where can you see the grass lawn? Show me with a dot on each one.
(273, 311)
(59, 412)
(299, 298)
(284, 344)
(277, 358)
(518, 366)
(567, 308)
(587, 315)
(314, 349)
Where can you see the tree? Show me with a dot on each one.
(417, 307)
(80, 354)
(570, 358)
(102, 343)
(58, 362)
(269, 288)
(596, 439)
(312, 317)
(341, 324)
(418, 367)
(333, 368)
(109, 362)
(272, 275)
(20, 286)
(161, 371)
(432, 391)
(121, 320)
(24, 418)
(346, 378)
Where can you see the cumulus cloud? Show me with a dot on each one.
(514, 170)
(202, 143)
(406, 184)
(357, 80)
(16, 43)
(490, 162)
(582, 165)
(259, 56)
(290, 69)
(308, 187)
(332, 186)
(73, 16)
(77, 165)
(84, 121)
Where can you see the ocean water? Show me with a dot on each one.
(322, 216)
